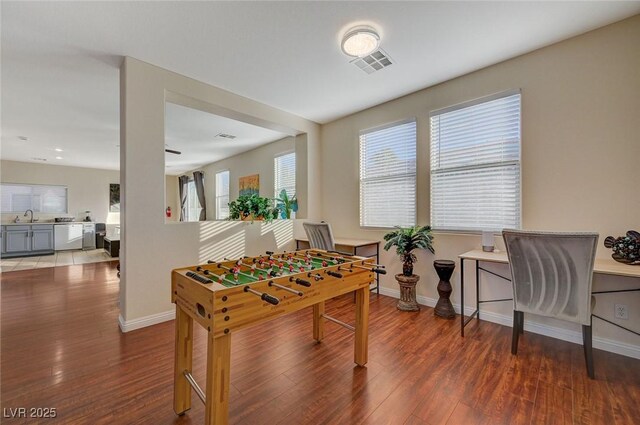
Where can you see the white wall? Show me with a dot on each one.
(150, 248)
(580, 151)
(88, 188)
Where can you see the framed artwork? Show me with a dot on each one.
(114, 197)
(250, 185)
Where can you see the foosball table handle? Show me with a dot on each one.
(301, 282)
(269, 298)
(263, 296)
(334, 274)
(379, 271)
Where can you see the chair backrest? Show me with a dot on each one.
(320, 236)
(552, 273)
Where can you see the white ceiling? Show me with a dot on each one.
(193, 133)
(60, 60)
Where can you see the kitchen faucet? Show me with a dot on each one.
(25, 214)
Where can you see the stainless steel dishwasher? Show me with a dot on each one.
(88, 236)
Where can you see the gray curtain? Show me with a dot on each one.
(182, 188)
(198, 179)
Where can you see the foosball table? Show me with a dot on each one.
(225, 296)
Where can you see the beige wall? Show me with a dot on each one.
(580, 150)
(172, 198)
(150, 248)
(88, 188)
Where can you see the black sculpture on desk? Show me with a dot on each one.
(626, 249)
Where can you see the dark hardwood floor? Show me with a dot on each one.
(61, 347)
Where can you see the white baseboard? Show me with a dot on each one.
(617, 347)
(143, 322)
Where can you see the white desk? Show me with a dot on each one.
(601, 266)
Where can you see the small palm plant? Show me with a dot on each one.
(406, 240)
(286, 204)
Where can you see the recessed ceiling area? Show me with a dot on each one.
(60, 60)
(199, 136)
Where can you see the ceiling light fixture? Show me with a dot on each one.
(360, 41)
(58, 150)
(58, 157)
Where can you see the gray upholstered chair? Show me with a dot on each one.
(320, 236)
(552, 275)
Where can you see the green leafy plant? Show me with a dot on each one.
(253, 207)
(406, 240)
(286, 204)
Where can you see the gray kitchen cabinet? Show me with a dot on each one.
(2, 238)
(18, 239)
(42, 237)
(27, 239)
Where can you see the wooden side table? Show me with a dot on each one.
(407, 301)
(444, 308)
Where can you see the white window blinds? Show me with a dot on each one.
(284, 172)
(388, 176)
(17, 198)
(222, 195)
(475, 165)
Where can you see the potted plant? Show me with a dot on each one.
(252, 207)
(406, 240)
(286, 205)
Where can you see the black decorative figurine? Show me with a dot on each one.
(626, 249)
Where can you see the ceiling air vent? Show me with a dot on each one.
(225, 136)
(38, 159)
(374, 62)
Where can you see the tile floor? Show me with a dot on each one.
(60, 258)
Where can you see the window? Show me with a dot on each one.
(222, 195)
(17, 198)
(193, 205)
(388, 176)
(475, 165)
(284, 173)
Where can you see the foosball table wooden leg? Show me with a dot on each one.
(318, 321)
(361, 351)
(218, 376)
(183, 361)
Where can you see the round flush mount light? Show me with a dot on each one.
(360, 41)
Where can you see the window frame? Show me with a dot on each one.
(368, 130)
(188, 218)
(228, 195)
(466, 104)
